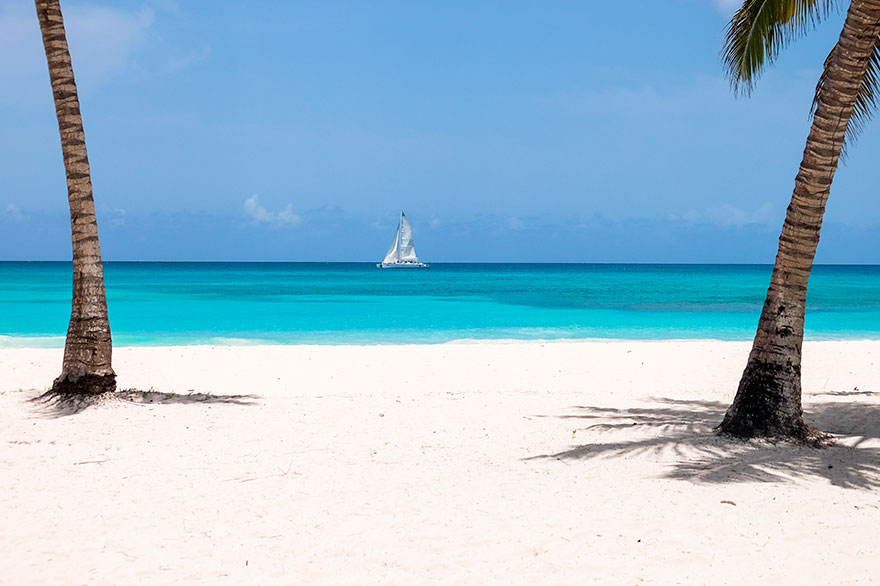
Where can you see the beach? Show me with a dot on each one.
(224, 384)
(480, 462)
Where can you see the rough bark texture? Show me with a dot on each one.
(86, 368)
(768, 401)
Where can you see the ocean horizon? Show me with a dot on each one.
(181, 303)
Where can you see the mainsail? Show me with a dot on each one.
(402, 249)
(407, 250)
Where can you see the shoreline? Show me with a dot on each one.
(273, 369)
(8, 342)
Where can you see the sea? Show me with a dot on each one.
(181, 303)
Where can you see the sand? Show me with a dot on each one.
(470, 463)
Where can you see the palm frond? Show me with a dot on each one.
(866, 100)
(760, 29)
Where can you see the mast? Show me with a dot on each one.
(399, 225)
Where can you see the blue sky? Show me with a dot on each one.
(509, 131)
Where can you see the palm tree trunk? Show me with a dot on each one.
(86, 368)
(768, 401)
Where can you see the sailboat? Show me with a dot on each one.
(402, 253)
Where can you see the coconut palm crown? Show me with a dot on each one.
(768, 399)
(760, 30)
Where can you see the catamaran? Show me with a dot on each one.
(402, 253)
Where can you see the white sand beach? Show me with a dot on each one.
(469, 463)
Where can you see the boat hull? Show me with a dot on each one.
(402, 265)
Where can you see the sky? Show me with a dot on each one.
(509, 131)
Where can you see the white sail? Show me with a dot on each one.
(402, 252)
(407, 250)
(392, 254)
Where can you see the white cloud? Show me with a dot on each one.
(169, 6)
(101, 38)
(261, 215)
(102, 41)
(728, 215)
(105, 41)
(15, 213)
(118, 218)
(727, 7)
(187, 60)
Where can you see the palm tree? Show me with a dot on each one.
(768, 400)
(86, 368)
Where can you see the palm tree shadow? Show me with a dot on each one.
(55, 405)
(851, 393)
(684, 432)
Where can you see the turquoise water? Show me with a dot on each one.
(356, 303)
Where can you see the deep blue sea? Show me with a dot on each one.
(356, 303)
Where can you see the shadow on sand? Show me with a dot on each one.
(54, 405)
(686, 431)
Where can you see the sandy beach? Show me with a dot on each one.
(463, 463)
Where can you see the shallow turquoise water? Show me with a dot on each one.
(356, 303)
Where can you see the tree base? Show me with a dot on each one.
(68, 397)
(768, 406)
(68, 385)
(802, 434)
